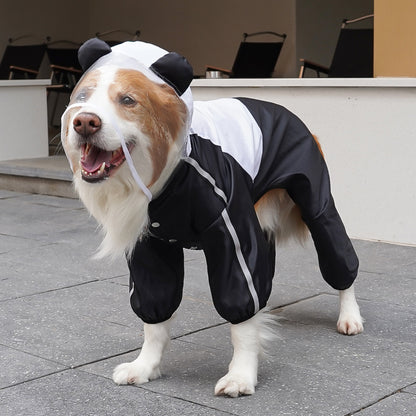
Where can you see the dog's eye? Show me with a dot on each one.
(127, 100)
(81, 97)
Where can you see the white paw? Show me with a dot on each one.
(134, 373)
(350, 324)
(234, 386)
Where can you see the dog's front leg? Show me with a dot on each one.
(241, 378)
(350, 321)
(146, 366)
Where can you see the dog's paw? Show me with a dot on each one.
(350, 325)
(134, 373)
(234, 386)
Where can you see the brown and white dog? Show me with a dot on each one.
(122, 110)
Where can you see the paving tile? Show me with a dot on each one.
(400, 404)
(297, 265)
(4, 194)
(33, 267)
(40, 222)
(72, 258)
(411, 389)
(363, 357)
(390, 259)
(71, 326)
(382, 320)
(74, 393)
(193, 365)
(88, 322)
(384, 288)
(18, 367)
(52, 201)
(19, 279)
(15, 245)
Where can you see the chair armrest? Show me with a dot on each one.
(70, 69)
(215, 68)
(312, 65)
(13, 68)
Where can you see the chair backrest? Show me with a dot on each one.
(256, 59)
(353, 55)
(27, 56)
(67, 57)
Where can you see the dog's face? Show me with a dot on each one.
(113, 102)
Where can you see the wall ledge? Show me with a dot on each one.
(25, 82)
(306, 82)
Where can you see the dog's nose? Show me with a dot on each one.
(86, 124)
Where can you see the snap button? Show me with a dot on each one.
(155, 224)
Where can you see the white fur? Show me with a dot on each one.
(249, 339)
(146, 366)
(350, 321)
(120, 209)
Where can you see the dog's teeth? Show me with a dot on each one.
(101, 171)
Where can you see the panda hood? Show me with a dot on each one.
(154, 62)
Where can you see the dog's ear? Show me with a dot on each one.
(90, 51)
(175, 70)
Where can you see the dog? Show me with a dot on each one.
(231, 177)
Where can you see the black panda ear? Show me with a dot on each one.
(90, 51)
(175, 70)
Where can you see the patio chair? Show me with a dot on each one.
(21, 61)
(254, 59)
(353, 56)
(65, 71)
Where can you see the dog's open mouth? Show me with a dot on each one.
(98, 164)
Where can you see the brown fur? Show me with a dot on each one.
(160, 112)
(287, 220)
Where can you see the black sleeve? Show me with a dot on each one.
(240, 260)
(156, 279)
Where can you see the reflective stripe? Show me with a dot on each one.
(231, 230)
(132, 290)
(207, 176)
(241, 259)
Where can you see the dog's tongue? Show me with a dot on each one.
(95, 157)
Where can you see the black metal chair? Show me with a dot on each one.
(63, 61)
(254, 59)
(65, 72)
(21, 61)
(353, 56)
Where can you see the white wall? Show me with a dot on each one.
(24, 127)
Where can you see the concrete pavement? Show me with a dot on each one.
(66, 322)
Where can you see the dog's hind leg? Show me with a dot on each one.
(350, 321)
(146, 366)
(248, 339)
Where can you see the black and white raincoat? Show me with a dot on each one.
(236, 151)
